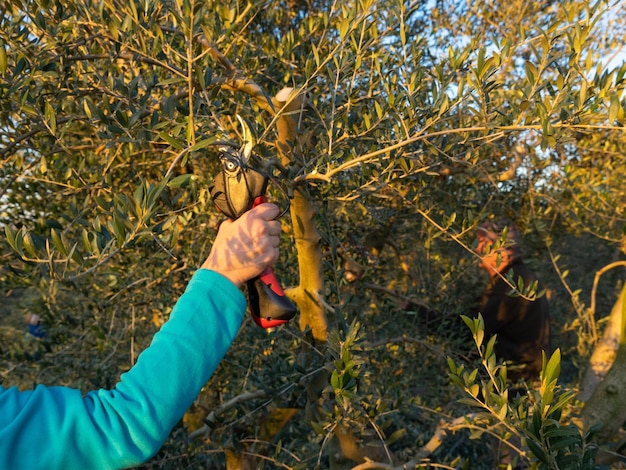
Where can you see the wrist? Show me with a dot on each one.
(225, 274)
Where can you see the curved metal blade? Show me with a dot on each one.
(248, 141)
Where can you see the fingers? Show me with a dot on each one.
(267, 211)
(245, 247)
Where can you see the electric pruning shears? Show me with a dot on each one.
(235, 190)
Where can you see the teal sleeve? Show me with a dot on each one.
(58, 428)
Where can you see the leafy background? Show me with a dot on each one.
(417, 121)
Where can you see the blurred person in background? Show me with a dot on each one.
(522, 325)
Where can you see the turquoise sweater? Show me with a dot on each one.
(58, 428)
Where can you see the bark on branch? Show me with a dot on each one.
(607, 403)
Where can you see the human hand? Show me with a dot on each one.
(244, 247)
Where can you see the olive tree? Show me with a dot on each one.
(393, 127)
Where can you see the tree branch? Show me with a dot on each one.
(212, 417)
(371, 156)
(596, 280)
(235, 81)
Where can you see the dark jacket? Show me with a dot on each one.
(522, 326)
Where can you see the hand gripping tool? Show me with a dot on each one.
(235, 190)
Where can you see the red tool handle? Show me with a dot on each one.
(269, 305)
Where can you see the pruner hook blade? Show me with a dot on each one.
(248, 141)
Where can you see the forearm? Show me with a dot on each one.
(57, 428)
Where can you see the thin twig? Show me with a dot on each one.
(596, 280)
(212, 417)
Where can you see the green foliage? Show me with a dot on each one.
(556, 444)
(344, 377)
(540, 417)
(434, 115)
